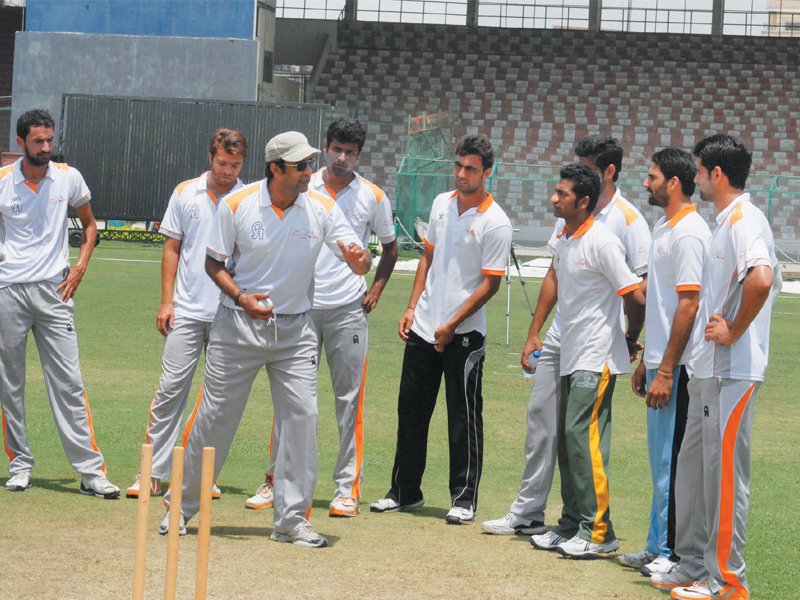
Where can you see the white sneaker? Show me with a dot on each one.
(547, 541)
(702, 590)
(163, 529)
(637, 560)
(511, 524)
(99, 486)
(216, 493)
(661, 564)
(302, 535)
(671, 580)
(391, 505)
(459, 515)
(343, 507)
(264, 497)
(579, 548)
(155, 487)
(19, 482)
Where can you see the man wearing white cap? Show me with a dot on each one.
(272, 231)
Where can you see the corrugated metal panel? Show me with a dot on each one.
(132, 152)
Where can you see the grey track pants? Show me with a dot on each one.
(342, 332)
(237, 350)
(38, 307)
(182, 349)
(541, 442)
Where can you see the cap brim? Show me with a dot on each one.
(300, 153)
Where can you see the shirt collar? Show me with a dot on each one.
(610, 205)
(729, 209)
(20, 178)
(319, 183)
(482, 207)
(586, 226)
(681, 214)
(265, 199)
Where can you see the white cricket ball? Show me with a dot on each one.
(266, 303)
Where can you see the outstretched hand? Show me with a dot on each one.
(357, 257)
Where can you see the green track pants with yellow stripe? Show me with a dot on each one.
(584, 441)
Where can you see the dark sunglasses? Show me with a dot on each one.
(304, 164)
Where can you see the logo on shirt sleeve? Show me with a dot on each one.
(258, 230)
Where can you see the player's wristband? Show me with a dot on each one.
(660, 372)
(236, 298)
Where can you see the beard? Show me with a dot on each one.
(39, 160)
(656, 198)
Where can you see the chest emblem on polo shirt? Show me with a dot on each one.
(305, 234)
(58, 200)
(194, 211)
(661, 251)
(16, 205)
(470, 231)
(440, 220)
(580, 263)
(717, 253)
(258, 230)
(354, 216)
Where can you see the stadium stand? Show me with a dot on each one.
(536, 92)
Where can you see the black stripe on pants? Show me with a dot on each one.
(681, 413)
(423, 367)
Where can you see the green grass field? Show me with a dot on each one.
(60, 544)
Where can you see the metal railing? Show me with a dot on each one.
(627, 15)
(443, 12)
(532, 15)
(310, 9)
(657, 20)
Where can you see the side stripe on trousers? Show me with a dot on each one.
(599, 528)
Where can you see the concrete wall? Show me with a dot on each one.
(47, 65)
(302, 41)
(188, 18)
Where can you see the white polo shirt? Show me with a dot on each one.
(592, 277)
(677, 256)
(741, 241)
(189, 218)
(367, 209)
(627, 223)
(273, 251)
(464, 248)
(33, 222)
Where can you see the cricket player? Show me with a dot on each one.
(592, 280)
(189, 298)
(677, 257)
(341, 305)
(603, 154)
(729, 360)
(444, 327)
(273, 230)
(36, 289)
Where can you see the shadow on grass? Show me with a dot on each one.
(69, 486)
(244, 533)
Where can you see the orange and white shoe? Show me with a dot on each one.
(155, 488)
(264, 497)
(216, 493)
(343, 507)
(702, 590)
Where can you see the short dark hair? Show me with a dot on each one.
(268, 172)
(729, 154)
(604, 149)
(38, 117)
(675, 162)
(229, 140)
(478, 145)
(585, 182)
(347, 131)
